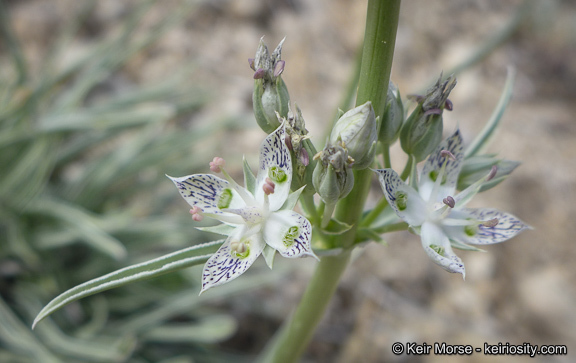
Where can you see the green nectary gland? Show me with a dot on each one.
(434, 175)
(439, 250)
(277, 174)
(471, 230)
(290, 236)
(401, 200)
(225, 199)
(241, 255)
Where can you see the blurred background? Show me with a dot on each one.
(100, 99)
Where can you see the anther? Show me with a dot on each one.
(448, 105)
(279, 68)
(268, 186)
(491, 223)
(447, 154)
(216, 164)
(433, 111)
(259, 73)
(196, 214)
(304, 158)
(492, 173)
(449, 201)
(238, 247)
(251, 63)
(288, 142)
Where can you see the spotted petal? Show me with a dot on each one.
(289, 233)
(225, 265)
(405, 201)
(276, 164)
(434, 164)
(211, 194)
(508, 226)
(437, 246)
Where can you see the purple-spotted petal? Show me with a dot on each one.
(434, 164)
(405, 201)
(289, 233)
(211, 194)
(508, 226)
(275, 164)
(225, 265)
(437, 246)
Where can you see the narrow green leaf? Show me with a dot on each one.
(483, 138)
(187, 257)
(292, 199)
(249, 178)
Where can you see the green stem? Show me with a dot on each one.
(377, 54)
(293, 337)
(386, 156)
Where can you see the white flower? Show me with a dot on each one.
(439, 216)
(257, 217)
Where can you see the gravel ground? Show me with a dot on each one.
(517, 292)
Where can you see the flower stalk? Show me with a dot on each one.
(379, 40)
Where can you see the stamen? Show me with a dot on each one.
(259, 73)
(279, 68)
(433, 111)
(491, 223)
(447, 154)
(449, 201)
(238, 247)
(216, 164)
(492, 173)
(268, 186)
(288, 142)
(304, 158)
(196, 214)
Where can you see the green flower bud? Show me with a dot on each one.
(302, 152)
(333, 178)
(477, 167)
(393, 117)
(357, 129)
(270, 94)
(422, 131)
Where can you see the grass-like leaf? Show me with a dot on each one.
(174, 261)
(483, 138)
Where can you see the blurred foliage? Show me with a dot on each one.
(82, 183)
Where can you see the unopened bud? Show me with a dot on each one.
(333, 178)
(270, 94)
(393, 117)
(301, 148)
(357, 130)
(422, 131)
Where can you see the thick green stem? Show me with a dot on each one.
(289, 344)
(377, 54)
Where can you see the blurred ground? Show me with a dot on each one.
(519, 291)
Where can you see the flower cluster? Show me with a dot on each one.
(256, 218)
(438, 215)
